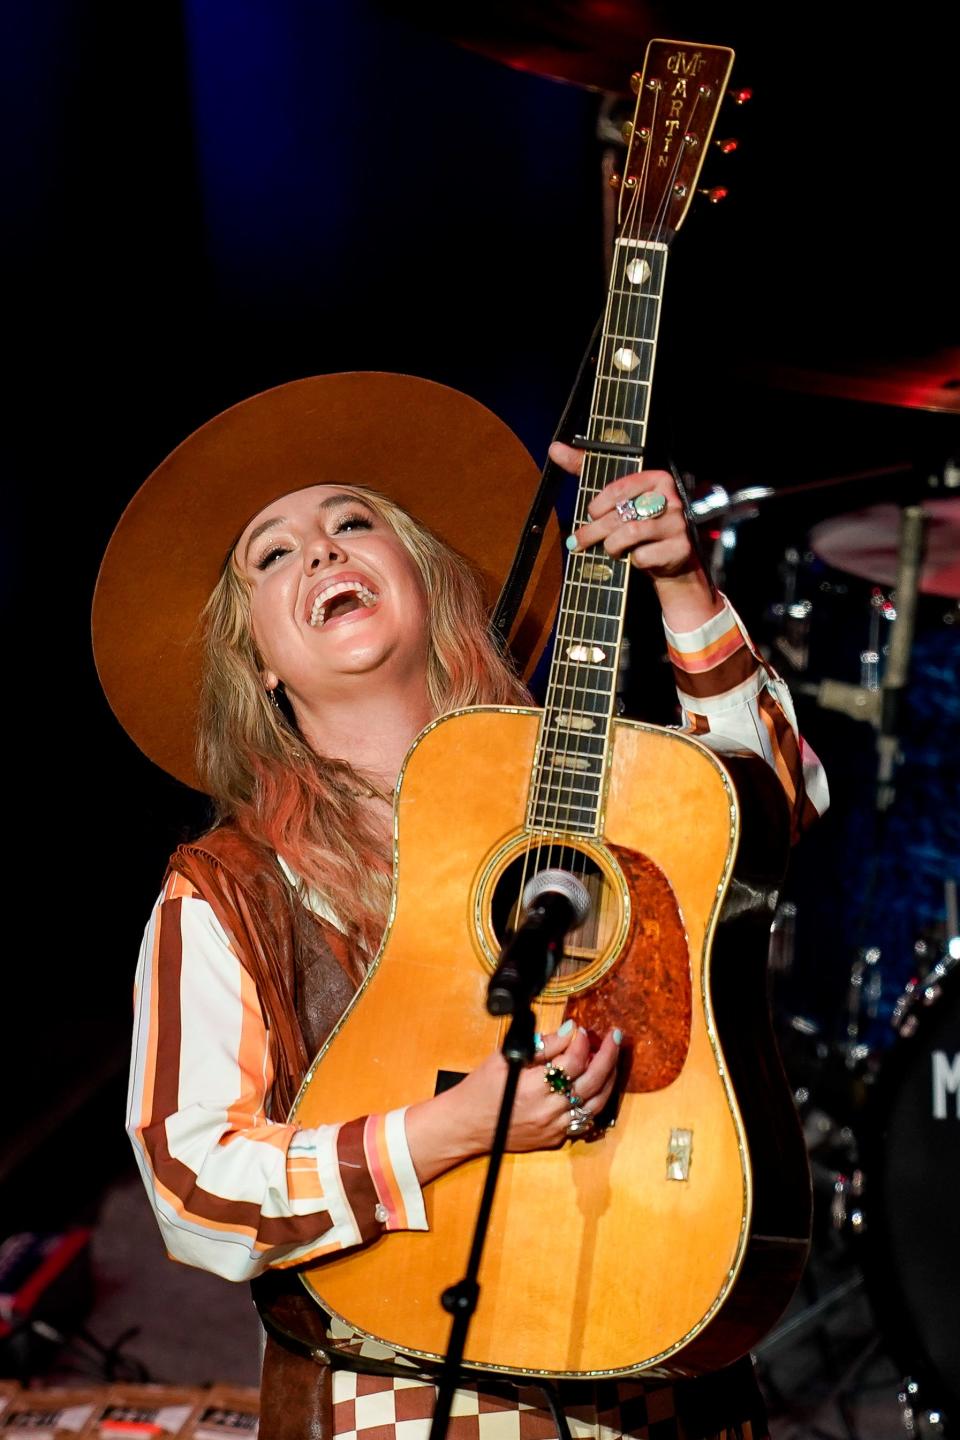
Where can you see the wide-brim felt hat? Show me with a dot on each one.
(445, 458)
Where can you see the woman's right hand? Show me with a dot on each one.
(460, 1123)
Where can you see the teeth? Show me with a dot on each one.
(345, 587)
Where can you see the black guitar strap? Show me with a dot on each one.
(532, 534)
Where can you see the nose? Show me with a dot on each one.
(324, 551)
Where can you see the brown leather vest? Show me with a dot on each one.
(302, 969)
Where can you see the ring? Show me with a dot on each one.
(642, 507)
(556, 1079)
(580, 1121)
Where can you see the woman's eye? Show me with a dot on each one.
(353, 522)
(267, 560)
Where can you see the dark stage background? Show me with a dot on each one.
(211, 197)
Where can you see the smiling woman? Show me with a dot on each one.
(312, 626)
(284, 662)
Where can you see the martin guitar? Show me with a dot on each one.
(669, 1245)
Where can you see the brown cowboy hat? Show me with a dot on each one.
(442, 456)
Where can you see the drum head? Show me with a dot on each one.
(912, 1211)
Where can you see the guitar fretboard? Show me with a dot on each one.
(567, 789)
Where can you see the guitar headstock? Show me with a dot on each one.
(678, 98)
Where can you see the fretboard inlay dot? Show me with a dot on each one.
(586, 654)
(638, 272)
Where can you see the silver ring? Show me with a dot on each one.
(580, 1121)
(642, 507)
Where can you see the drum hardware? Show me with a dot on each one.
(864, 993)
(845, 1189)
(914, 1421)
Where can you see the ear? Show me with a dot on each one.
(270, 680)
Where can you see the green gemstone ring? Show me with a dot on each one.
(556, 1079)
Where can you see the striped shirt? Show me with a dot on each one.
(235, 1190)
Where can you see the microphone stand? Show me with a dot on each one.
(460, 1300)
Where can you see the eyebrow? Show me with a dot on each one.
(331, 503)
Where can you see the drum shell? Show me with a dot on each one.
(911, 1213)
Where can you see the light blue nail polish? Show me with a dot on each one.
(538, 1042)
(565, 1028)
(617, 1037)
(571, 543)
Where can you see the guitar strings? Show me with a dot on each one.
(571, 746)
(596, 471)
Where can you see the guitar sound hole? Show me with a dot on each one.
(584, 945)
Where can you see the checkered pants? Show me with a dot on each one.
(378, 1407)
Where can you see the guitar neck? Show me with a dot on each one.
(678, 96)
(567, 788)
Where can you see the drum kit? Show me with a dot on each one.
(866, 626)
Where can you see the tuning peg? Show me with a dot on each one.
(636, 80)
(615, 181)
(740, 97)
(727, 147)
(715, 195)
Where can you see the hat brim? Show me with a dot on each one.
(445, 458)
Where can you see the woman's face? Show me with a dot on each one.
(335, 595)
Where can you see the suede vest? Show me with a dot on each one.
(302, 970)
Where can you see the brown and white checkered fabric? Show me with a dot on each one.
(377, 1407)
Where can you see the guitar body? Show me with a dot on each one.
(634, 1251)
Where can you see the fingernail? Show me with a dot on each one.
(571, 543)
(617, 1037)
(565, 1028)
(538, 1041)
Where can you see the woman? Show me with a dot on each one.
(337, 628)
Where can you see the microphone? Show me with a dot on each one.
(554, 902)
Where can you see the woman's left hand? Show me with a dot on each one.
(661, 546)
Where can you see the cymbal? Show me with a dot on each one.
(594, 43)
(865, 543)
(917, 382)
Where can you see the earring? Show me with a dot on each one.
(274, 701)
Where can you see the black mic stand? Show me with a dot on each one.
(460, 1300)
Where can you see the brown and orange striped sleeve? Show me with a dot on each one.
(235, 1191)
(731, 698)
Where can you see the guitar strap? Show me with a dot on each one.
(531, 537)
(551, 478)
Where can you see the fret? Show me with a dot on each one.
(601, 630)
(636, 292)
(621, 401)
(590, 792)
(571, 827)
(613, 420)
(578, 612)
(582, 689)
(592, 667)
(582, 808)
(606, 376)
(560, 805)
(578, 739)
(634, 323)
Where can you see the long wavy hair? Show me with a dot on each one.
(310, 808)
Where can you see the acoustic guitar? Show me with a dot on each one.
(669, 1245)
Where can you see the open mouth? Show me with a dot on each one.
(339, 598)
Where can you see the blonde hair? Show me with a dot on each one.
(307, 807)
